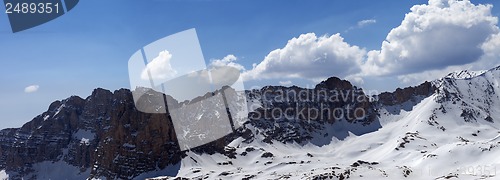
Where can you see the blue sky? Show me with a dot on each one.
(89, 47)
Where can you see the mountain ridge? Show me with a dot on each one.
(104, 136)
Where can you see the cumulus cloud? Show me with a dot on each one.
(491, 55)
(358, 80)
(159, 68)
(31, 89)
(489, 59)
(492, 46)
(432, 40)
(434, 36)
(229, 60)
(310, 57)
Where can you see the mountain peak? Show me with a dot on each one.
(105, 135)
(403, 95)
(335, 83)
(496, 68)
(464, 74)
(99, 92)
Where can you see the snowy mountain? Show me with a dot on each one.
(438, 130)
(464, 74)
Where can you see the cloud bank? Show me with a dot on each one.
(310, 57)
(434, 36)
(443, 35)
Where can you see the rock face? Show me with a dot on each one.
(44, 138)
(103, 134)
(403, 95)
(474, 94)
(333, 83)
(300, 115)
(429, 132)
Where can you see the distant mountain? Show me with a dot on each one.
(441, 129)
(464, 74)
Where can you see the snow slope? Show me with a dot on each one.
(3, 175)
(454, 133)
(409, 145)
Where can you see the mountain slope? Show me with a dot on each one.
(453, 131)
(440, 129)
(103, 134)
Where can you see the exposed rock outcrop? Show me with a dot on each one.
(403, 95)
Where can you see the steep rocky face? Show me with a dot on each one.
(43, 138)
(334, 83)
(407, 94)
(293, 114)
(443, 86)
(131, 142)
(475, 94)
(103, 135)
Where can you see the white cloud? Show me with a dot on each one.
(159, 68)
(492, 46)
(358, 80)
(229, 60)
(310, 57)
(488, 60)
(491, 55)
(366, 22)
(419, 77)
(285, 83)
(31, 89)
(432, 40)
(441, 34)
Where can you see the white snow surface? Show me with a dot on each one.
(432, 140)
(430, 153)
(454, 133)
(464, 74)
(3, 175)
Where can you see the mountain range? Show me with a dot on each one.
(446, 128)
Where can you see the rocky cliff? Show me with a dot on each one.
(104, 135)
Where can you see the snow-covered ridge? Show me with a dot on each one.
(453, 133)
(443, 129)
(464, 74)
